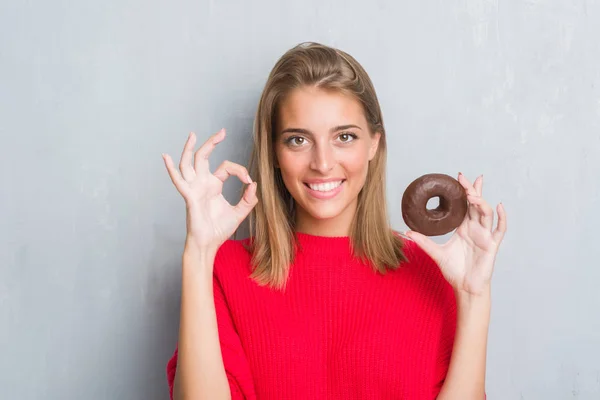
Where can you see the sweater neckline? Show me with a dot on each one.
(310, 243)
(320, 238)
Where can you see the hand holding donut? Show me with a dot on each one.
(210, 218)
(467, 259)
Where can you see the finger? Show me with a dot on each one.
(478, 185)
(203, 153)
(470, 189)
(185, 165)
(500, 230)
(247, 202)
(483, 210)
(428, 245)
(228, 168)
(176, 178)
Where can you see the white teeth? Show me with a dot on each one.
(325, 187)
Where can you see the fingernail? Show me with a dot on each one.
(248, 179)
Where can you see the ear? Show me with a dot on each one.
(374, 145)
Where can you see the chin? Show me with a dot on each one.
(324, 214)
(324, 211)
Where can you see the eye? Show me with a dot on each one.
(347, 137)
(295, 141)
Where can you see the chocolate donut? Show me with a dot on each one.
(446, 217)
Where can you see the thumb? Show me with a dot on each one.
(428, 245)
(247, 202)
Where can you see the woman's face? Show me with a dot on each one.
(323, 147)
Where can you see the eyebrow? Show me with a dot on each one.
(307, 132)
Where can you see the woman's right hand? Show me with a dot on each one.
(211, 220)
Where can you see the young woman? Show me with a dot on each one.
(324, 300)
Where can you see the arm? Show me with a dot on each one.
(197, 370)
(466, 373)
(467, 263)
(200, 373)
(224, 353)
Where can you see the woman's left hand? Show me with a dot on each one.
(467, 258)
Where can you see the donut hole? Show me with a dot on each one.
(433, 203)
(437, 207)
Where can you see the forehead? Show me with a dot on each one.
(313, 108)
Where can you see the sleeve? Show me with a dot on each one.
(236, 364)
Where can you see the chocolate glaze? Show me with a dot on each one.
(446, 217)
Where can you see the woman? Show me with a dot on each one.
(324, 300)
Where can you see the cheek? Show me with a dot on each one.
(290, 165)
(356, 163)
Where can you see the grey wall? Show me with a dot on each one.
(91, 227)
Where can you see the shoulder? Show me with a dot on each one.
(417, 258)
(233, 257)
(426, 271)
(233, 248)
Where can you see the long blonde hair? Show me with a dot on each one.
(273, 243)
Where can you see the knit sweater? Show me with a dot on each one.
(338, 331)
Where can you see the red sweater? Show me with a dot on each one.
(339, 331)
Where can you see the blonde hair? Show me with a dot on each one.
(273, 243)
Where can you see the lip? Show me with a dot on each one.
(325, 195)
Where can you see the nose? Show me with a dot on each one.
(323, 158)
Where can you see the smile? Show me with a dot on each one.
(324, 187)
(325, 191)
